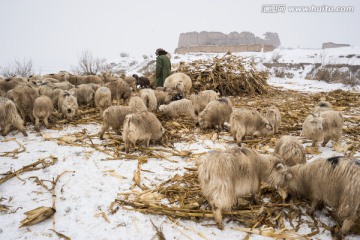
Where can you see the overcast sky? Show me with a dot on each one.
(55, 32)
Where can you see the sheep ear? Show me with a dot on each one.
(288, 176)
(279, 166)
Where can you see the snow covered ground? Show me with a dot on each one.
(93, 179)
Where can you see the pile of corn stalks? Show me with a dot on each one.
(230, 75)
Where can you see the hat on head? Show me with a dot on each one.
(160, 50)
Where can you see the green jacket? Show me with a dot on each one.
(163, 69)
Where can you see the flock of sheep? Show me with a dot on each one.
(224, 175)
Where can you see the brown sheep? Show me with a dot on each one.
(248, 122)
(9, 116)
(225, 175)
(119, 90)
(10, 83)
(43, 109)
(24, 97)
(142, 126)
(216, 113)
(85, 94)
(77, 80)
(334, 182)
(131, 81)
(62, 76)
(290, 150)
(143, 82)
(114, 117)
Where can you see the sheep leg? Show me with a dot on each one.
(19, 126)
(315, 205)
(314, 143)
(148, 142)
(6, 129)
(104, 128)
(37, 124)
(346, 226)
(217, 216)
(239, 136)
(23, 115)
(326, 140)
(46, 121)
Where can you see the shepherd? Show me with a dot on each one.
(163, 67)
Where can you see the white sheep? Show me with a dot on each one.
(9, 116)
(179, 81)
(137, 103)
(178, 108)
(103, 99)
(274, 118)
(201, 100)
(333, 182)
(149, 98)
(312, 128)
(248, 122)
(290, 150)
(142, 126)
(225, 175)
(43, 109)
(215, 114)
(68, 105)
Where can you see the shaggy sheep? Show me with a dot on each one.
(77, 80)
(9, 116)
(290, 150)
(216, 113)
(114, 117)
(274, 118)
(163, 97)
(131, 81)
(62, 85)
(103, 99)
(62, 76)
(24, 97)
(43, 108)
(322, 106)
(85, 94)
(149, 98)
(225, 175)
(332, 126)
(143, 82)
(119, 90)
(68, 105)
(178, 108)
(334, 182)
(179, 81)
(10, 83)
(55, 97)
(137, 103)
(45, 90)
(312, 128)
(142, 126)
(201, 100)
(248, 122)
